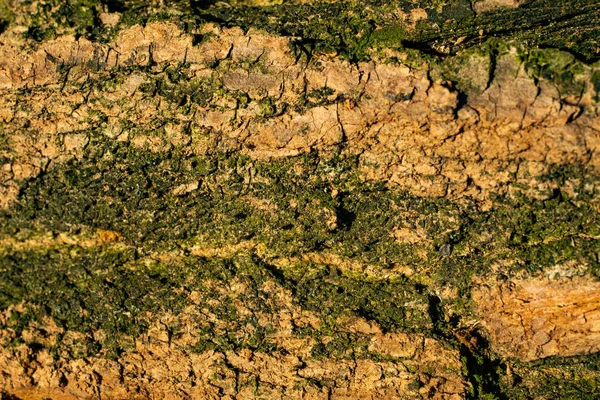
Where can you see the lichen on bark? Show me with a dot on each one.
(299, 199)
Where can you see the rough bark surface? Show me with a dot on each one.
(299, 200)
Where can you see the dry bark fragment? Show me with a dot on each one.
(537, 318)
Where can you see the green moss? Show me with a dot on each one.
(53, 18)
(332, 294)
(558, 67)
(555, 377)
(118, 184)
(389, 36)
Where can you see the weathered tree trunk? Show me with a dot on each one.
(299, 200)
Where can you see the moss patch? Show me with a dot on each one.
(309, 204)
(565, 378)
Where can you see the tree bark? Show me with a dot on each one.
(299, 199)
